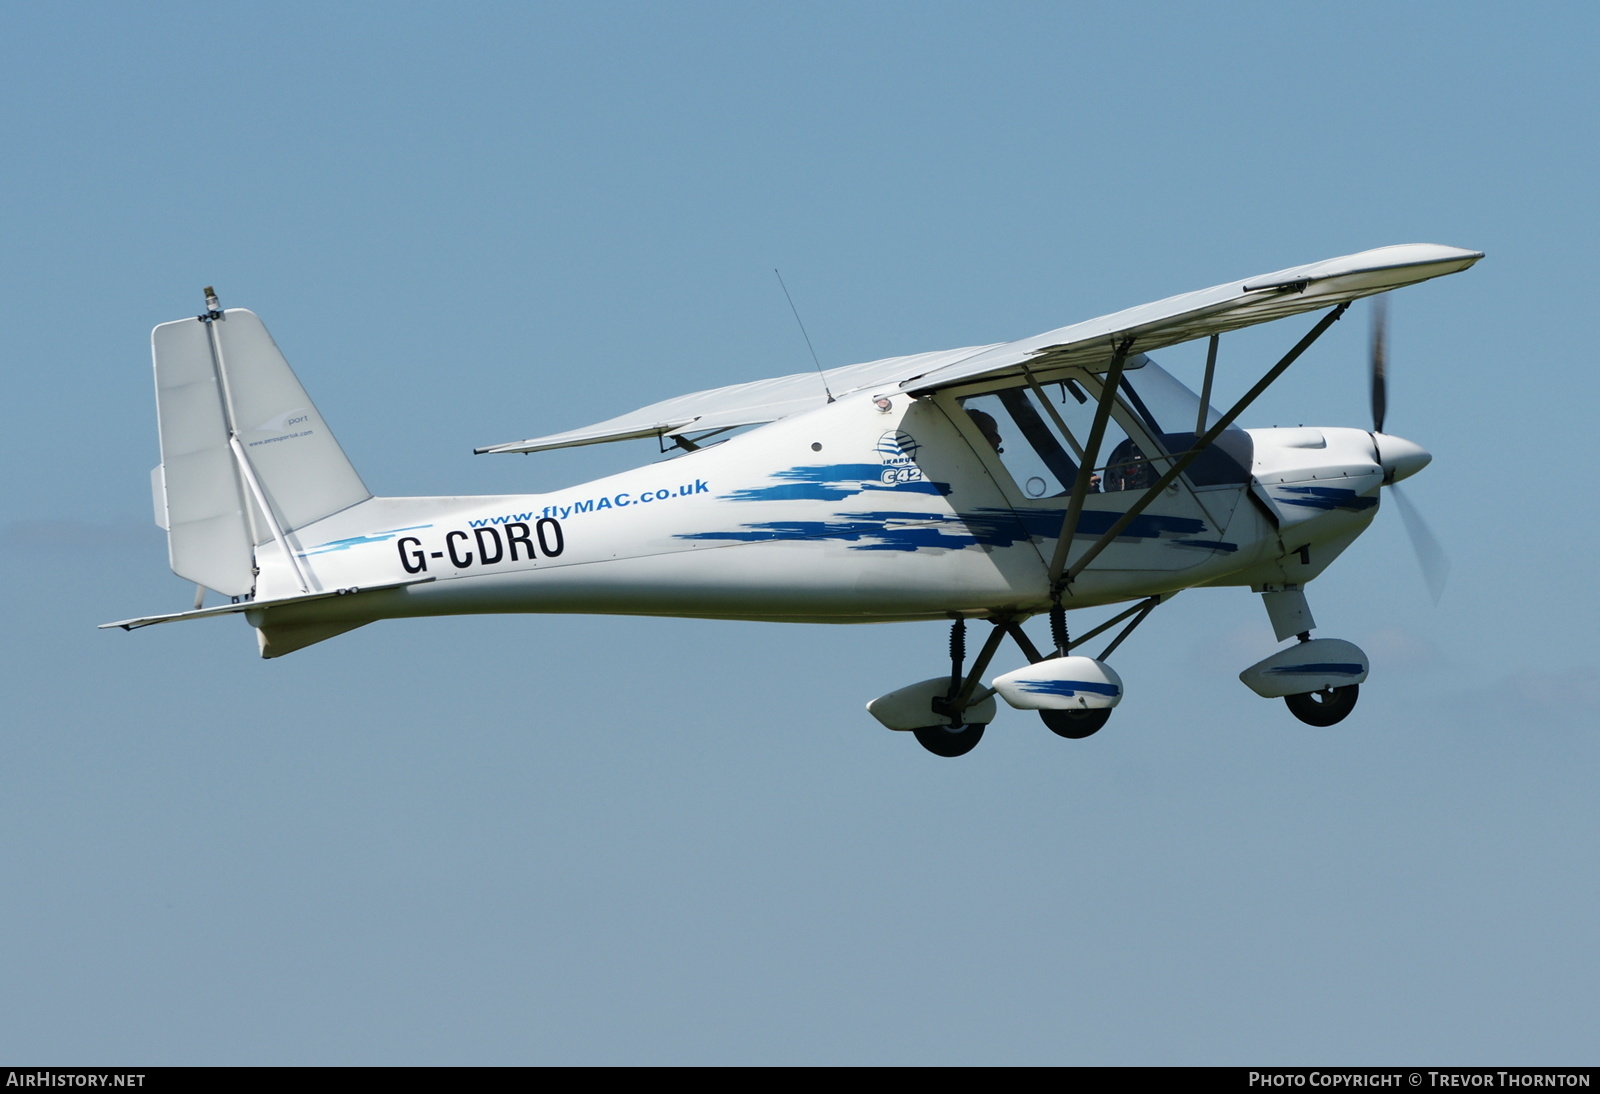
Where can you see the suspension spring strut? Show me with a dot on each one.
(1058, 629)
(958, 653)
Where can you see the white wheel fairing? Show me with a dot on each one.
(1317, 665)
(911, 707)
(1062, 683)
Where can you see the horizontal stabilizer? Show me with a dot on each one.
(256, 605)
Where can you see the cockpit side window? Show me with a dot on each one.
(1043, 458)
(1044, 442)
(1022, 431)
(1012, 426)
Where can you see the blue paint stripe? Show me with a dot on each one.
(831, 482)
(355, 541)
(1326, 498)
(1324, 668)
(1067, 687)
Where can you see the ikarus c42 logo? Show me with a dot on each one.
(898, 451)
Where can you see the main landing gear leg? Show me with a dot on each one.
(960, 708)
(958, 736)
(954, 738)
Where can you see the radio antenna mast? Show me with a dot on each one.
(822, 375)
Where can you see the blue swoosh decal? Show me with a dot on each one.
(356, 541)
(1326, 498)
(1068, 688)
(830, 482)
(1328, 668)
(989, 527)
(868, 532)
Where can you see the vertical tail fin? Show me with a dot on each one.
(245, 457)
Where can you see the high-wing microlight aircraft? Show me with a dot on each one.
(987, 484)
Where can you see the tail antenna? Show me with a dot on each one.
(807, 337)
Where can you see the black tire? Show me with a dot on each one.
(949, 740)
(1075, 724)
(1323, 708)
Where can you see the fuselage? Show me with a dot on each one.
(871, 508)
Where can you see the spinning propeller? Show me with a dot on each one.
(1401, 458)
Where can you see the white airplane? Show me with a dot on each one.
(990, 483)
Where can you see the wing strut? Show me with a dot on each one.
(1091, 453)
(1200, 446)
(1205, 390)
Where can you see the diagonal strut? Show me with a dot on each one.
(1091, 453)
(1200, 446)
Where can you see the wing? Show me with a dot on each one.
(754, 403)
(1200, 314)
(1088, 345)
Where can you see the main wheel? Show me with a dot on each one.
(949, 740)
(1075, 724)
(1323, 708)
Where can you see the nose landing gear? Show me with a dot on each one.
(1318, 679)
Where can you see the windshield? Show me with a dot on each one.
(1170, 412)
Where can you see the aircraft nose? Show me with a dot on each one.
(1400, 458)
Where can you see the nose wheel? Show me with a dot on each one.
(1323, 708)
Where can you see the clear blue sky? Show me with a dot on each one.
(576, 840)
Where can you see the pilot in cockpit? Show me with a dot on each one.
(987, 426)
(1129, 468)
